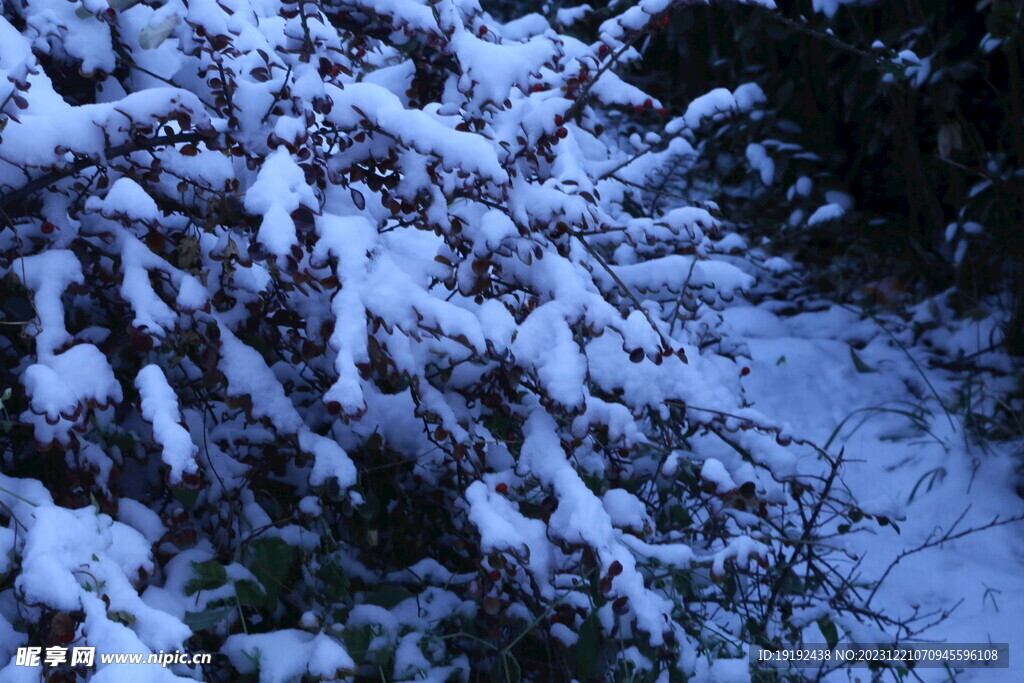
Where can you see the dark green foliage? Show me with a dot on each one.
(916, 154)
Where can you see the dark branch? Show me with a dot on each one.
(48, 179)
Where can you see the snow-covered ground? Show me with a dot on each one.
(803, 372)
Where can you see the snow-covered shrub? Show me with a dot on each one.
(349, 336)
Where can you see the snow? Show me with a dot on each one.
(544, 339)
(126, 198)
(140, 518)
(59, 385)
(777, 265)
(495, 69)
(248, 375)
(48, 275)
(570, 15)
(826, 213)
(284, 656)
(417, 129)
(709, 105)
(581, 517)
(280, 189)
(759, 160)
(160, 408)
(152, 314)
(330, 460)
(714, 472)
(626, 511)
(88, 130)
(809, 355)
(69, 555)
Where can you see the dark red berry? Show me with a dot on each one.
(494, 575)
(47, 227)
(561, 132)
(745, 371)
(501, 488)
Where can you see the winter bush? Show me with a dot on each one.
(351, 338)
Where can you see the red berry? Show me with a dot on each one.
(501, 488)
(333, 407)
(639, 109)
(494, 575)
(602, 50)
(47, 227)
(562, 132)
(662, 111)
(537, 87)
(648, 103)
(483, 30)
(558, 119)
(744, 371)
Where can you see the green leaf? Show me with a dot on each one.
(829, 630)
(388, 595)
(199, 621)
(187, 497)
(250, 594)
(593, 482)
(335, 585)
(409, 46)
(860, 365)
(271, 560)
(357, 641)
(588, 648)
(209, 576)
(1002, 20)
(121, 617)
